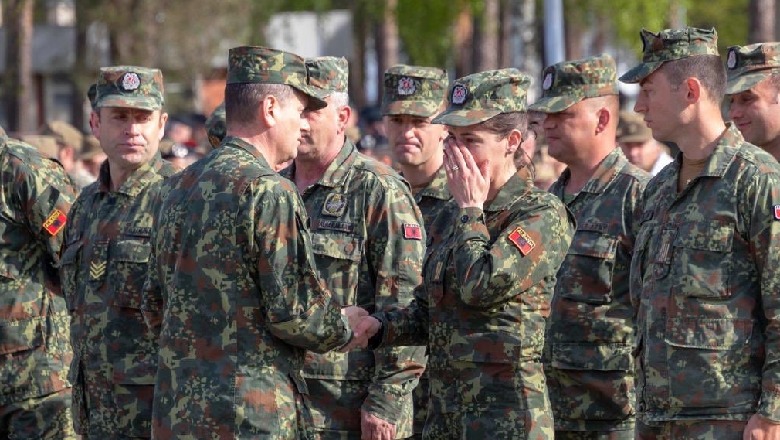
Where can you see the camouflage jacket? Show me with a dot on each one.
(234, 295)
(35, 197)
(368, 244)
(432, 199)
(488, 279)
(104, 265)
(705, 273)
(591, 329)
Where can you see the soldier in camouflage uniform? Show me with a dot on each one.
(590, 334)
(233, 290)
(368, 247)
(106, 259)
(753, 93)
(412, 97)
(706, 256)
(216, 126)
(35, 197)
(488, 274)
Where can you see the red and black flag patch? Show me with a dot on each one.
(522, 241)
(777, 212)
(55, 222)
(412, 231)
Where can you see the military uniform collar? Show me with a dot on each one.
(246, 146)
(137, 180)
(519, 184)
(437, 187)
(605, 173)
(723, 153)
(336, 172)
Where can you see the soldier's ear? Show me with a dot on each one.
(163, 121)
(268, 110)
(514, 139)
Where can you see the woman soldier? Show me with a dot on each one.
(489, 274)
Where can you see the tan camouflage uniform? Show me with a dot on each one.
(419, 91)
(487, 283)
(233, 290)
(704, 274)
(590, 333)
(104, 266)
(362, 215)
(35, 199)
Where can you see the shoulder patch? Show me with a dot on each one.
(55, 222)
(412, 231)
(522, 241)
(777, 212)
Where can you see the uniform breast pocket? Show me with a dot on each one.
(589, 264)
(702, 259)
(130, 264)
(338, 259)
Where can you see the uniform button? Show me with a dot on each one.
(464, 219)
(348, 248)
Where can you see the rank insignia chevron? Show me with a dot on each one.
(97, 270)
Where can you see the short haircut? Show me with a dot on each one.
(243, 99)
(708, 69)
(503, 123)
(774, 80)
(339, 99)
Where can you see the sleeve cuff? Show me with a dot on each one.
(470, 223)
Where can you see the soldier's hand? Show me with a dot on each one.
(374, 428)
(761, 428)
(353, 314)
(361, 333)
(468, 182)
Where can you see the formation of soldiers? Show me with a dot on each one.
(286, 286)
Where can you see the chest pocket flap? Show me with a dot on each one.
(341, 247)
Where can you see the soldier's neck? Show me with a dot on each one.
(118, 175)
(582, 170)
(419, 176)
(311, 166)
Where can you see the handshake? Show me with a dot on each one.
(363, 326)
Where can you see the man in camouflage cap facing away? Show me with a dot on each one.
(216, 125)
(106, 259)
(753, 93)
(704, 273)
(412, 97)
(35, 395)
(488, 276)
(233, 290)
(588, 363)
(369, 247)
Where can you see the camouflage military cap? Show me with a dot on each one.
(91, 148)
(480, 96)
(262, 65)
(92, 95)
(331, 74)
(216, 126)
(747, 66)
(65, 134)
(632, 128)
(670, 45)
(130, 86)
(413, 90)
(567, 83)
(44, 143)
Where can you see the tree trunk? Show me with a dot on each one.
(762, 21)
(486, 37)
(464, 40)
(357, 71)
(386, 44)
(18, 89)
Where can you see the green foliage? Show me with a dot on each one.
(425, 28)
(729, 18)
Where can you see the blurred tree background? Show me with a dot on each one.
(463, 36)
